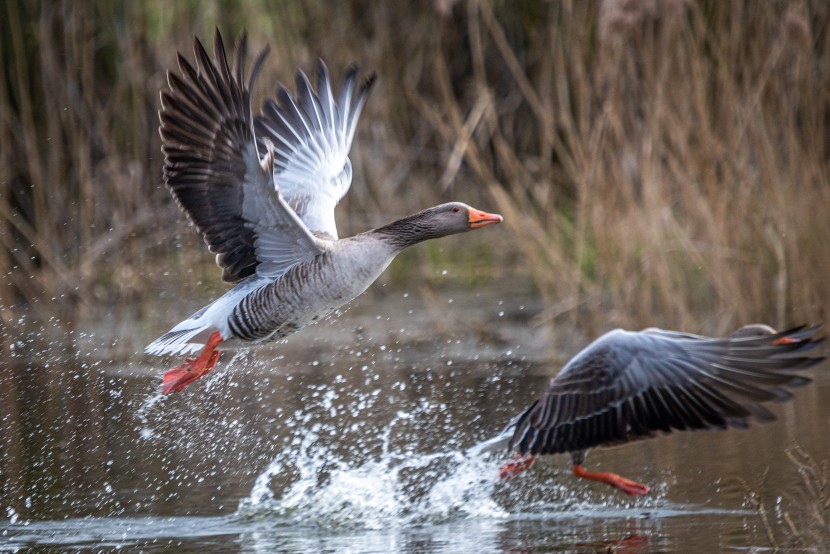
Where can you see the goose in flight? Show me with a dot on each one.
(627, 386)
(262, 192)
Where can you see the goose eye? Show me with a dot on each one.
(456, 209)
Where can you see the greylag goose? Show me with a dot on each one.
(262, 193)
(627, 386)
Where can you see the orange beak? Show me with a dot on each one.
(480, 219)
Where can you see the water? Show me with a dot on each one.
(353, 437)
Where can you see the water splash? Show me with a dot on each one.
(350, 451)
(466, 491)
(225, 377)
(375, 494)
(358, 457)
(394, 489)
(212, 382)
(146, 430)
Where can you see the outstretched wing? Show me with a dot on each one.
(631, 385)
(311, 134)
(214, 171)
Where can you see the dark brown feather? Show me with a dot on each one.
(206, 127)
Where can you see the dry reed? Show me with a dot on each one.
(800, 520)
(657, 162)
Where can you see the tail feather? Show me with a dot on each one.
(494, 444)
(180, 340)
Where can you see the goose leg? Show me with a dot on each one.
(521, 463)
(182, 375)
(626, 485)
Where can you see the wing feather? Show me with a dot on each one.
(627, 386)
(312, 134)
(214, 171)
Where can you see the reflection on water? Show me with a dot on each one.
(353, 437)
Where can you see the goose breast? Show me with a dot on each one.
(309, 292)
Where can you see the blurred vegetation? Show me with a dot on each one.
(657, 162)
(807, 522)
(799, 521)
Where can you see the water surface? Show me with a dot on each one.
(352, 437)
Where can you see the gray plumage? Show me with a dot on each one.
(262, 193)
(627, 386)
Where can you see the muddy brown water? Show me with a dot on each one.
(352, 436)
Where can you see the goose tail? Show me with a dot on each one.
(493, 444)
(187, 337)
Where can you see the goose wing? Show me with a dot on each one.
(311, 134)
(215, 173)
(631, 385)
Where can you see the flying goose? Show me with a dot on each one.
(262, 193)
(627, 386)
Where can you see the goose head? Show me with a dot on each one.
(758, 330)
(435, 222)
(454, 217)
(754, 330)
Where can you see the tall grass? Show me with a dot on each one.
(79, 156)
(657, 162)
(800, 520)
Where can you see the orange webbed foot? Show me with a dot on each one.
(631, 487)
(511, 469)
(626, 485)
(176, 379)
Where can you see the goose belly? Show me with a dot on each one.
(306, 294)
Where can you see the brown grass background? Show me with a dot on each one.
(657, 162)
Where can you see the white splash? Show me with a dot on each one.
(146, 431)
(392, 490)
